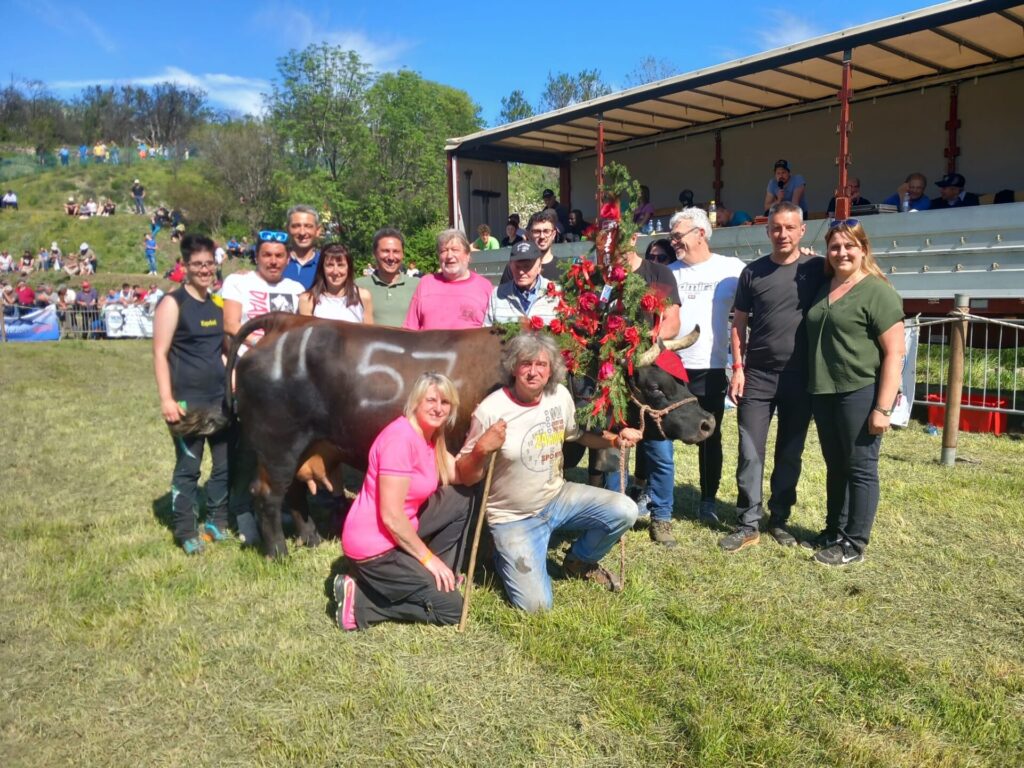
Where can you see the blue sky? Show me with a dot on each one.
(230, 49)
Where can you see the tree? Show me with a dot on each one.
(649, 70)
(515, 107)
(564, 89)
(320, 104)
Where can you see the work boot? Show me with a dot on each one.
(580, 569)
(782, 536)
(661, 533)
(739, 539)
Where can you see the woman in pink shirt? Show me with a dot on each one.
(402, 533)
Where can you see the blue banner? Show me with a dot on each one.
(33, 325)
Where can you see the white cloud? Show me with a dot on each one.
(241, 94)
(297, 29)
(783, 28)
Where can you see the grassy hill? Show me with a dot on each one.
(117, 240)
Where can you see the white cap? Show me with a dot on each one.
(53, 246)
(83, 247)
(71, 199)
(135, 182)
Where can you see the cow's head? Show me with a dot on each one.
(671, 411)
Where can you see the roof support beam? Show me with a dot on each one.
(768, 89)
(684, 105)
(809, 79)
(965, 44)
(733, 99)
(870, 72)
(909, 57)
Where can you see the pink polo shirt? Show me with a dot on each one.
(398, 451)
(441, 305)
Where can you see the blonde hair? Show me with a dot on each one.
(860, 237)
(446, 388)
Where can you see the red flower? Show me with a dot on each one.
(587, 266)
(552, 289)
(556, 326)
(649, 302)
(606, 371)
(536, 323)
(617, 275)
(588, 301)
(632, 335)
(614, 322)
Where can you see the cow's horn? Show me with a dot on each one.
(648, 357)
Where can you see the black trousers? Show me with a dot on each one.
(709, 386)
(851, 464)
(767, 394)
(396, 587)
(188, 455)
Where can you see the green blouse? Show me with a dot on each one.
(842, 337)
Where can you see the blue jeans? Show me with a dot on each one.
(657, 458)
(139, 207)
(521, 546)
(151, 259)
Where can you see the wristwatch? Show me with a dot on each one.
(884, 411)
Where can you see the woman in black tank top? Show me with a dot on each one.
(188, 337)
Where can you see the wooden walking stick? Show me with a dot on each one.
(476, 544)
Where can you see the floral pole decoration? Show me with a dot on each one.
(606, 315)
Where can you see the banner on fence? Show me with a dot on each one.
(34, 325)
(901, 411)
(127, 322)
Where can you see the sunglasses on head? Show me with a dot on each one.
(272, 236)
(844, 223)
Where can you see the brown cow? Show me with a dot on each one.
(311, 381)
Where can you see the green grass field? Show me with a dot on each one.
(116, 649)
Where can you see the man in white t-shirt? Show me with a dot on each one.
(707, 285)
(253, 294)
(529, 498)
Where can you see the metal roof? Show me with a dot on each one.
(943, 43)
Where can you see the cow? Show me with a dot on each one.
(313, 385)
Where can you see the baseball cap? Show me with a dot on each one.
(781, 164)
(951, 180)
(53, 246)
(83, 247)
(135, 182)
(524, 251)
(85, 285)
(547, 193)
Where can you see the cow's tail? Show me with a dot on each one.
(268, 323)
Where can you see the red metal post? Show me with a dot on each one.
(845, 93)
(952, 150)
(717, 184)
(600, 160)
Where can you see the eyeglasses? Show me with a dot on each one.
(659, 256)
(272, 236)
(844, 223)
(678, 237)
(201, 265)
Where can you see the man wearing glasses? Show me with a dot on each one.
(769, 377)
(303, 225)
(542, 231)
(707, 286)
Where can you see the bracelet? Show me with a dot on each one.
(426, 558)
(737, 366)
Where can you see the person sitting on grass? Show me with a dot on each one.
(402, 533)
(71, 207)
(188, 335)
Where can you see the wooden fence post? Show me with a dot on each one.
(955, 383)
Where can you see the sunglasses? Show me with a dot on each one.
(844, 223)
(272, 236)
(659, 256)
(678, 237)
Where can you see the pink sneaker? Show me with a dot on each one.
(345, 596)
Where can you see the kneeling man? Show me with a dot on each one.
(529, 499)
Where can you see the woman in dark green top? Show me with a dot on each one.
(856, 350)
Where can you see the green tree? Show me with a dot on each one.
(515, 107)
(564, 89)
(319, 106)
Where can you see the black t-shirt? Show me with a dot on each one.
(661, 279)
(137, 190)
(197, 371)
(777, 297)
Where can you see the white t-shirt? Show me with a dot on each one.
(706, 291)
(219, 256)
(258, 297)
(338, 308)
(528, 470)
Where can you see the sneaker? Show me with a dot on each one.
(211, 532)
(345, 597)
(706, 513)
(661, 533)
(643, 505)
(739, 539)
(193, 546)
(783, 537)
(819, 542)
(580, 569)
(839, 555)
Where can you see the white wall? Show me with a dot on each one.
(891, 137)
